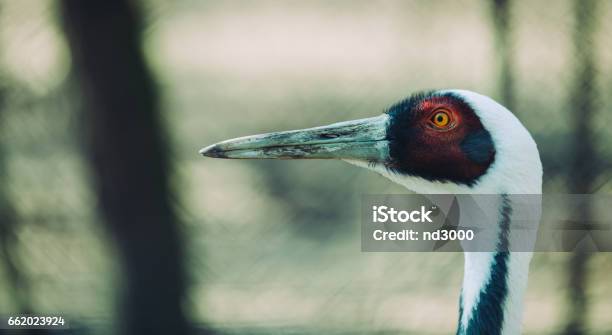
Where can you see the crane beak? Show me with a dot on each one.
(363, 140)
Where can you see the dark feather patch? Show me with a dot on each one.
(478, 146)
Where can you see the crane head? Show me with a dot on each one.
(448, 141)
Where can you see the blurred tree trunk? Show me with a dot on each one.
(582, 167)
(18, 284)
(128, 158)
(500, 15)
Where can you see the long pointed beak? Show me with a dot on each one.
(363, 139)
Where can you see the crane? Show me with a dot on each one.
(436, 142)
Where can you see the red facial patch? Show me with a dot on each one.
(426, 144)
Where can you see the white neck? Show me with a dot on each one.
(502, 276)
(494, 283)
(491, 297)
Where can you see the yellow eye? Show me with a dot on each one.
(440, 119)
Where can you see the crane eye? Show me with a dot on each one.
(440, 119)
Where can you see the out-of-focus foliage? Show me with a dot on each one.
(276, 244)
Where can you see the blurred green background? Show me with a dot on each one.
(275, 245)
